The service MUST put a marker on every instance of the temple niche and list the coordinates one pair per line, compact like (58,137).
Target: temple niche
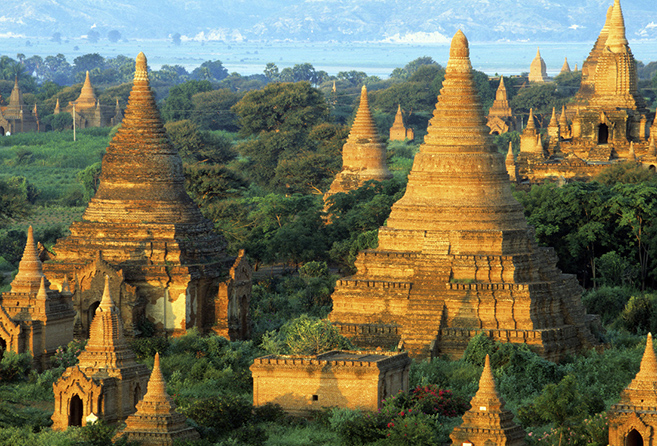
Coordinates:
(457,256)
(398,131)
(363,155)
(500,116)
(34,318)
(17,117)
(168,268)
(633,420)
(108,382)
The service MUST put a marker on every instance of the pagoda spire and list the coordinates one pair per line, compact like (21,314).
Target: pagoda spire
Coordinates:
(646,380)
(530,121)
(106,331)
(616,41)
(363,126)
(565,68)
(57,107)
(652,149)
(553,119)
(30,272)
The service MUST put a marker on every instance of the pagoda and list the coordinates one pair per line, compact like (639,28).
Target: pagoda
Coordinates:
(88,112)
(17,117)
(142,222)
(565,68)
(537,69)
(34,318)
(488,422)
(457,256)
(500,116)
(633,420)
(156,422)
(398,131)
(363,155)
(108,381)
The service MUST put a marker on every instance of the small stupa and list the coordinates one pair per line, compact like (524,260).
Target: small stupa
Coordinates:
(16,117)
(398,131)
(553,133)
(488,422)
(511,167)
(528,147)
(108,381)
(633,420)
(156,422)
(565,68)
(35,318)
(457,256)
(564,128)
(500,116)
(363,155)
(537,69)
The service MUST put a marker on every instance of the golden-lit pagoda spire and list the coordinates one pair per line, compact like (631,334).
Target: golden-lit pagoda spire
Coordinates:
(363,126)
(565,68)
(647,376)
(487,395)
(652,149)
(530,121)
(30,272)
(553,119)
(106,331)
(616,40)
(57,108)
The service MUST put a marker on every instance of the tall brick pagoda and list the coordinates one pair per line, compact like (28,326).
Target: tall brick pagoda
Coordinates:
(34,318)
(108,381)
(633,420)
(488,422)
(363,155)
(156,422)
(144,225)
(457,256)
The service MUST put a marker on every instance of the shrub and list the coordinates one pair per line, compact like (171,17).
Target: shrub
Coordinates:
(306,336)
(219,414)
(14,366)
(65,357)
(606,301)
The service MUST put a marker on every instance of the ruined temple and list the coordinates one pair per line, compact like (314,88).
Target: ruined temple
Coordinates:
(34,318)
(107,381)
(457,256)
(17,117)
(398,131)
(156,422)
(488,422)
(633,420)
(500,116)
(363,155)
(537,69)
(168,269)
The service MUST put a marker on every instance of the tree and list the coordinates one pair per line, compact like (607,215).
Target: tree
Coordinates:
(211,71)
(310,336)
(271,72)
(212,109)
(114,36)
(88,62)
(178,105)
(175,38)
(196,146)
(93,36)
(14,202)
(89,178)
(56,37)
(562,404)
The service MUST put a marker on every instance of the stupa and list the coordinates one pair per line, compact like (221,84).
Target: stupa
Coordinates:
(33,317)
(108,381)
(457,256)
(633,420)
(142,222)
(16,117)
(565,68)
(553,134)
(156,422)
(488,422)
(500,116)
(537,69)
(88,112)
(398,131)
(363,155)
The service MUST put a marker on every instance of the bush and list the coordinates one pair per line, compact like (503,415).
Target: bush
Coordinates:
(67,356)
(220,414)
(638,316)
(607,302)
(306,336)
(14,366)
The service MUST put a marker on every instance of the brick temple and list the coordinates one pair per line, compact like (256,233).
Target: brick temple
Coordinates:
(457,256)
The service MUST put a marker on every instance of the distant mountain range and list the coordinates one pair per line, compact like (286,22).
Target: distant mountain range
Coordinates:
(421,21)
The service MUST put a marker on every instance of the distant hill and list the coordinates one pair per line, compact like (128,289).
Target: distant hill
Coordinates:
(327,20)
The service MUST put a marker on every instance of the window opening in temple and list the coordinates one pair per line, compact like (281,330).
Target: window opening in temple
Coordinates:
(3,347)
(651,168)
(137,394)
(634,438)
(315,397)
(603,134)
(75,411)
(91,312)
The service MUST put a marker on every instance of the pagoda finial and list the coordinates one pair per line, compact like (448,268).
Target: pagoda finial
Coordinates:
(106,301)
(487,396)
(87,80)
(530,120)
(141,68)
(30,272)
(648,369)
(509,153)
(616,40)
(156,385)
(553,119)
(363,126)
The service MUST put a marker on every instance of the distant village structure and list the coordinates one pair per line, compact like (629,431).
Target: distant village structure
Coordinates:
(165,264)
(17,117)
(363,155)
(457,256)
(34,318)
(355,380)
(608,120)
(398,131)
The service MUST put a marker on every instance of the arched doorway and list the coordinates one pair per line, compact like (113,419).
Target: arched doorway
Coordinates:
(603,134)
(634,438)
(651,169)
(75,411)
(2,131)
(137,394)
(90,314)
(3,347)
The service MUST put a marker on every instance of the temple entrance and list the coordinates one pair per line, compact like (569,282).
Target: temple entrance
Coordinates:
(634,438)
(603,134)
(75,411)
(3,347)
(2,131)
(651,169)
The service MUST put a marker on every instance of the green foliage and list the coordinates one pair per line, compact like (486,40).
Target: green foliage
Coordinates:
(14,366)
(178,105)
(607,302)
(305,336)
(212,109)
(89,178)
(638,316)
(68,356)
(196,146)
(13,202)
